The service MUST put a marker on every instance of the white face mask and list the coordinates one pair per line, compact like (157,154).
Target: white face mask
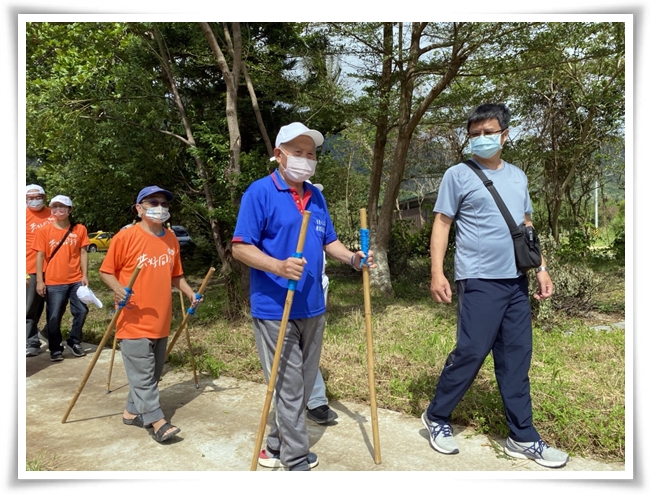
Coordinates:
(158,214)
(299,169)
(35,204)
(60,213)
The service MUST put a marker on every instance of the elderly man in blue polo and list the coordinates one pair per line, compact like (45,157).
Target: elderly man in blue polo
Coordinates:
(265,238)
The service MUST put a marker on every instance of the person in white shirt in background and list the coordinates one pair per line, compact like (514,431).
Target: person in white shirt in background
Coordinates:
(318,409)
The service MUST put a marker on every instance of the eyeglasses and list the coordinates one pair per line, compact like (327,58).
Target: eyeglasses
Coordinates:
(489,133)
(155,203)
(59,208)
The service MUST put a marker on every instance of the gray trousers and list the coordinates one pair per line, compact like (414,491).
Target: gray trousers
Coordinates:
(295,380)
(143,362)
(35,305)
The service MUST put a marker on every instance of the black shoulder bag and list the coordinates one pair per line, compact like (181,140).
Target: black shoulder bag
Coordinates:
(61,242)
(528,251)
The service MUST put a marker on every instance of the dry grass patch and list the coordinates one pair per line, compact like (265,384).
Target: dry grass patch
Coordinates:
(577,374)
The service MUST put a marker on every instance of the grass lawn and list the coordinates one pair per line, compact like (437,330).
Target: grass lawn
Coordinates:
(577,374)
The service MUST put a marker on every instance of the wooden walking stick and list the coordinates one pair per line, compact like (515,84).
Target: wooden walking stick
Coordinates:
(291,288)
(110,367)
(108,332)
(189,312)
(365,244)
(189,344)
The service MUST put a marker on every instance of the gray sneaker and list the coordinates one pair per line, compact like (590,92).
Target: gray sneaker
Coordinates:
(440,435)
(33,351)
(539,451)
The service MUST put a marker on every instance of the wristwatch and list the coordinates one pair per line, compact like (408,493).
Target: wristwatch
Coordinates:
(542,268)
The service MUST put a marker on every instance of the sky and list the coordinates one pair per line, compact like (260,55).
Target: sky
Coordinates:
(12,134)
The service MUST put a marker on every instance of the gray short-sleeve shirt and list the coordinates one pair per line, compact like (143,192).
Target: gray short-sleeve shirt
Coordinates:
(484,246)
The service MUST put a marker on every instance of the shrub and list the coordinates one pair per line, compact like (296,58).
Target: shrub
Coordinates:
(618,226)
(400,246)
(575,286)
(577,244)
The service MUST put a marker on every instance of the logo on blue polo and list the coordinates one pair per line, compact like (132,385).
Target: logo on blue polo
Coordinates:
(320,225)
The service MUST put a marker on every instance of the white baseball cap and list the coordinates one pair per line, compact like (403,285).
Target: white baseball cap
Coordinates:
(65,200)
(318,186)
(34,188)
(295,129)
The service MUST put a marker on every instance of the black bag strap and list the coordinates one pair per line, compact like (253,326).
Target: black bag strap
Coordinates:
(512,226)
(61,242)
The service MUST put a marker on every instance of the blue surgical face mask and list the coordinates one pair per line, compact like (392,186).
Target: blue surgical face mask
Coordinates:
(485,146)
(35,204)
(158,214)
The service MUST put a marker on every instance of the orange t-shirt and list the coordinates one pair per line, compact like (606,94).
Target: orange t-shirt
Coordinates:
(148,313)
(65,267)
(35,221)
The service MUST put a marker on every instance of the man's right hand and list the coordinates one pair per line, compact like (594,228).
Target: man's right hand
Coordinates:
(292,268)
(440,289)
(40,288)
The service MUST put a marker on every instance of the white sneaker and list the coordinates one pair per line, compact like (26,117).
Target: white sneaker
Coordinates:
(539,451)
(440,436)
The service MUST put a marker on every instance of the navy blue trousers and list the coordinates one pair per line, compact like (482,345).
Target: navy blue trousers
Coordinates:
(493,315)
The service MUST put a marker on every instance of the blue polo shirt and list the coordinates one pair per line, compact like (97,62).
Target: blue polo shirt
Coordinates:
(269,218)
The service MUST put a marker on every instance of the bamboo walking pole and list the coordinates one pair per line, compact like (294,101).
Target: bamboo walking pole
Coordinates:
(189,344)
(108,332)
(370,355)
(110,367)
(278,346)
(189,313)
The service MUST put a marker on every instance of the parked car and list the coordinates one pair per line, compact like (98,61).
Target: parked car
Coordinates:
(99,241)
(184,239)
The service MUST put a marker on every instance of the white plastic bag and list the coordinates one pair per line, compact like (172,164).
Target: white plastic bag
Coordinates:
(86,295)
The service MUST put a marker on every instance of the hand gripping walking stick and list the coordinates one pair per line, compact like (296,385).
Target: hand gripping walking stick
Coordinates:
(365,245)
(190,312)
(291,288)
(108,332)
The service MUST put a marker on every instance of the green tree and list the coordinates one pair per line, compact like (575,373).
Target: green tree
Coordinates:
(570,95)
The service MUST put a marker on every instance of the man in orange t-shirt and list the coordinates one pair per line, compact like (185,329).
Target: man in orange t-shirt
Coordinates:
(37,217)
(144,323)
(67,270)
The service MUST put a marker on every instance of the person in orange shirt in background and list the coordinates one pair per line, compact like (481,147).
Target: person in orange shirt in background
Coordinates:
(143,326)
(62,251)
(38,215)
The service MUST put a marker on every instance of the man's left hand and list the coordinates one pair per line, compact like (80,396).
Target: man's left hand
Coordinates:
(545,285)
(196,300)
(370,260)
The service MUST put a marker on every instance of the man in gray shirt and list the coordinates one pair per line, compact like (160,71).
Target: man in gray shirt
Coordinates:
(493,305)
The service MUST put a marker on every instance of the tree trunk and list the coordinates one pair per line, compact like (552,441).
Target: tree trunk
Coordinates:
(381,131)
(235,273)
(407,122)
(235,299)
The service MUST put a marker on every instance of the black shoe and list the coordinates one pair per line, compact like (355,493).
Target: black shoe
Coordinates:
(322,415)
(76,350)
(56,356)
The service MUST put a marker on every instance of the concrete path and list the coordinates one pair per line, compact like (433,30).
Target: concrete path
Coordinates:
(219,422)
